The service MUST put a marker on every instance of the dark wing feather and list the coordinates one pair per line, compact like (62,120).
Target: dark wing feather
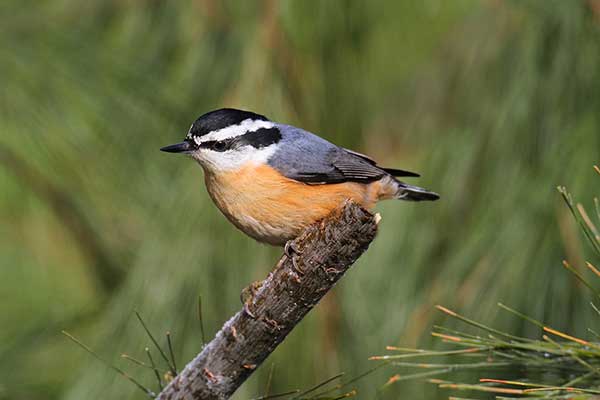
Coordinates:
(357,169)
(391,171)
(361,155)
(342,166)
(400,172)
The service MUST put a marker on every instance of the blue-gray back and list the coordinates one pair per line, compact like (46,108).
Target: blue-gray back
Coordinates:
(309,158)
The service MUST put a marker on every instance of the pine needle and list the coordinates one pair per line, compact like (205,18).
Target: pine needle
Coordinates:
(595,308)
(593,332)
(147,391)
(160,350)
(474,323)
(351,381)
(580,277)
(588,221)
(135,361)
(429,353)
(521,315)
(481,388)
(269,380)
(274,396)
(575,357)
(418,375)
(592,268)
(203,337)
(171,353)
(156,373)
(351,393)
(593,239)
(318,386)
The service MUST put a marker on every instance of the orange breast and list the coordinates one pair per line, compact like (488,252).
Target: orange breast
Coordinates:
(274,209)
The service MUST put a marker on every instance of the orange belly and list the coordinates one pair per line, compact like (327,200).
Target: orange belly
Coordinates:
(274,209)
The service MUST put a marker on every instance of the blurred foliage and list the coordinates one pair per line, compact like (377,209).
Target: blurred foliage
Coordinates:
(494,102)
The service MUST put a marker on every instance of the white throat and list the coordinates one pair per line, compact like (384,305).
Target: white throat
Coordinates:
(232,160)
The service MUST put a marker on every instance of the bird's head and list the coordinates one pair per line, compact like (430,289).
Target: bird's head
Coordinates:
(226,139)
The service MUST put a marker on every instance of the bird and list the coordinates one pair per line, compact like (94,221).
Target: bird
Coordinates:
(272,180)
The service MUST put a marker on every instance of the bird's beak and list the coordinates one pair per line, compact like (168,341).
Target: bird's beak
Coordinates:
(182,147)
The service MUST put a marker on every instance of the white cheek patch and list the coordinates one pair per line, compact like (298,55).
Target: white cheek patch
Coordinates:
(247,125)
(234,159)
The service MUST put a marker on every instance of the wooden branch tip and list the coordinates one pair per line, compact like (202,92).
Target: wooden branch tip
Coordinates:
(310,267)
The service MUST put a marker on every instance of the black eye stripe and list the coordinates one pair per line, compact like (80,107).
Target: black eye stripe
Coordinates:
(262,137)
(218,145)
(258,139)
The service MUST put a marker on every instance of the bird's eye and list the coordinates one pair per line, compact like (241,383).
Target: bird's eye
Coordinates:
(220,146)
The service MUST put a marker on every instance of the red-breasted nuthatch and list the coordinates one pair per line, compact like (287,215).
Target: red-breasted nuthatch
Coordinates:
(273,180)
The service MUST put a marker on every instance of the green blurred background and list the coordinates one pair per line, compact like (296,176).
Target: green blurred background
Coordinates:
(494,102)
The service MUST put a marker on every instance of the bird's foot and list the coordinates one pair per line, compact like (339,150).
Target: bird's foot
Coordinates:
(248,312)
(292,251)
(290,248)
(247,297)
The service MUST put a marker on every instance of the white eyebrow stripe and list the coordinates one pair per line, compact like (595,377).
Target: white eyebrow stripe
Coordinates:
(247,125)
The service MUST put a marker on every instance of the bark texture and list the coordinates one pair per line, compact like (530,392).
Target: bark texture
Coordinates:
(325,252)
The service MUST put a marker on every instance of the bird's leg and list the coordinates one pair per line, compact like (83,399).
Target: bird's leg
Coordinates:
(247,296)
(291,251)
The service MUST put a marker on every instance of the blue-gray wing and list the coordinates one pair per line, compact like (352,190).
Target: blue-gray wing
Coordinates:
(305,157)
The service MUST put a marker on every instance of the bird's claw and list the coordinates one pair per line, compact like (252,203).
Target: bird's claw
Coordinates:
(291,251)
(290,248)
(248,312)
(247,297)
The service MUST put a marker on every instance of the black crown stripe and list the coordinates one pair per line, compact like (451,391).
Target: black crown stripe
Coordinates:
(222,118)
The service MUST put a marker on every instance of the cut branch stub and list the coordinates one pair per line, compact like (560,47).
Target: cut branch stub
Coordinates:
(323,253)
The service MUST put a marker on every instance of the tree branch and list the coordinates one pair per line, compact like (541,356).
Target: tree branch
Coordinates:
(325,252)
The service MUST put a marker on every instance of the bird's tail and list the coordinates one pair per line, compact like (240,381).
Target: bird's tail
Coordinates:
(414,193)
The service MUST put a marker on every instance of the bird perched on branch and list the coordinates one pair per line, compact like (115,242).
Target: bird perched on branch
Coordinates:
(273,180)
